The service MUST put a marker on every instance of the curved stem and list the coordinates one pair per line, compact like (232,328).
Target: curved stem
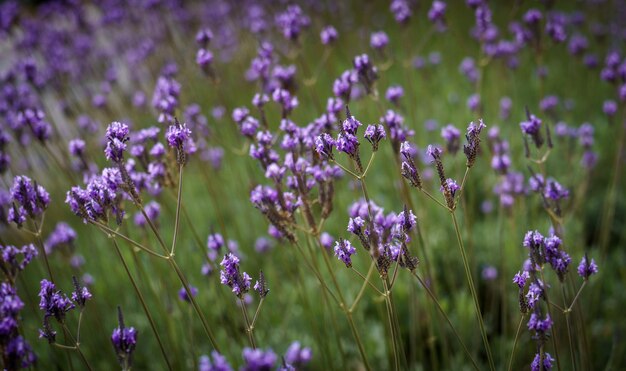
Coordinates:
(178,203)
(519,329)
(362,290)
(470,281)
(143,304)
(248,326)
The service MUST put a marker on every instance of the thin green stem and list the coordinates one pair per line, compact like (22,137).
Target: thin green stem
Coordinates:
(256,314)
(248,326)
(77,348)
(445,316)
(42,248)
(553,337)
(470,281)
(519,330)
(369,163)
(113,233)
(392,328)
(359,343)
(366,281)
(143,304)
(362,290)
(434,199)
(355,175)
(569,330)
(569,309)
(178,203)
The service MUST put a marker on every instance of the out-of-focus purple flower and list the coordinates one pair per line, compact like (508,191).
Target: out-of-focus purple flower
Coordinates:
(182,293)
(328,35)
(204,37)
(298,356)
(379,40)
(62,234)
(437,12)
(326,240)
(344,251)
(549,103)
(489,273)
(292,21)
(532,16)
(394,93)
(473,102)
(204,58)
(10,263)
(76,147)
(401,11)
(609,108)
(505,107)
(219,363)
(452,137)
(152,209)
(258,359)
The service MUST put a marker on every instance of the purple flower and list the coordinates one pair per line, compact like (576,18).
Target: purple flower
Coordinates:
(258,359)
(219,363)
(124,341)
(521,278)
(609,107)
(204,58)
(324,144)
(326,240)
(374,134)
(451,135)
(328,35)
(81,294)
(182,293)
(535,323)
(437,11)
(401,10)
(344,251)
(505,107)
(379,40)
(532,16)
(28,198)
(394,93)
(231,277)
(19,354)
(587,268)
(547,362)
(355,225)
(489,273)
(117,136)
(152,209)
(298,356)
(204,36)
(347,143)
(76,147)
(292,21)
(452,185)
(53,302)
(260,286)
(62,234)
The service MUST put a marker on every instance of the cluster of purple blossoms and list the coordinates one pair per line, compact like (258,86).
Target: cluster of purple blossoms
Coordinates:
(384,236)
(366,71)
(587,268)
(165,98)
(29,200)
(585,137)
(216,362)
(532,128)
(179,137)
(117,136)
(408,167)
(15,351)
(124,340)
(99,198)
(53,302)
(437,13)
(472,147)
(62,235)
(469,70)
(232,277)
(292,21)
(401,11)
(398,131)
(549,250)
(15,259)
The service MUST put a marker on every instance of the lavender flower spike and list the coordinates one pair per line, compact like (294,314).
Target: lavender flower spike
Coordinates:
(124,340)
(344,251)
(587,268)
